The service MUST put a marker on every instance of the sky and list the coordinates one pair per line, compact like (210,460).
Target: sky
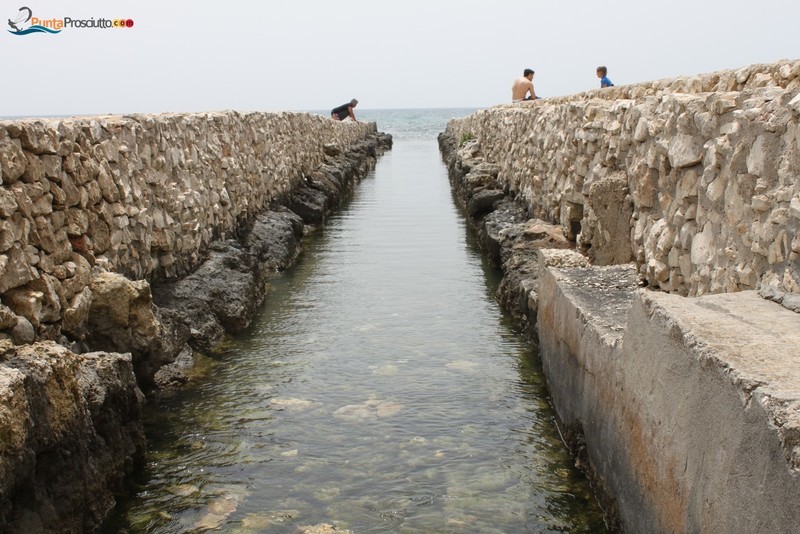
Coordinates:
(198,55)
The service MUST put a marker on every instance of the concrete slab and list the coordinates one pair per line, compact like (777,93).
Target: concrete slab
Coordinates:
(757,339)
(690,408)
(713,411)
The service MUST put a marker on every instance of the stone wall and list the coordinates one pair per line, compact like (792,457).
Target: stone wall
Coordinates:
(684,411)
(697,180)
(91,212)
(141,195)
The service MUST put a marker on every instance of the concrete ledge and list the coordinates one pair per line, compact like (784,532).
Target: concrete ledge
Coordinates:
(714,404)
(689,407)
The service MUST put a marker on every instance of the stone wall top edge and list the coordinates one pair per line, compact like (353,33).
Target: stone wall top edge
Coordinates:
(665,87)
(170,116)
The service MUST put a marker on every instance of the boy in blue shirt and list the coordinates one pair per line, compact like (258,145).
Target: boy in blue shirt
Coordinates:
(602,73)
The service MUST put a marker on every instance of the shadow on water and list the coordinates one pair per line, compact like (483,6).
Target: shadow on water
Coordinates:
(533,385)
(381,389)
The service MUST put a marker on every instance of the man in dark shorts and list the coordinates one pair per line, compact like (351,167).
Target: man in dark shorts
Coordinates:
(344,111)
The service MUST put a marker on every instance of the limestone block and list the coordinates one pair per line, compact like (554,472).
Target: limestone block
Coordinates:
(702,247)
(34,171)
(8,232)
(23,200)
(52,166)
(794,104)
(8,319)
(21,226)
(17,270)
(685,150)
(25,302)
(665,241)
(794,207)
(723,103)
(12,160)
(43,236)
(37,136)
(52,297)
(121,303)
(77,222)
(59,198)
(78,272)
(610,206)
(756,159)
(43,205)
(107,187)
(706,123)
(77,313)
(762,79)
(747,277)
(8,202)
(761,203)
(644,186)
(99,232)
(778,249)
(687,185)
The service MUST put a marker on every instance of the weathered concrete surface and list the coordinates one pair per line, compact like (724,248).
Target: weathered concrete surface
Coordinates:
(689,408)
(70,431)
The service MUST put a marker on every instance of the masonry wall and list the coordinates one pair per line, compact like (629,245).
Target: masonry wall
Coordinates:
(696,179)
(142,195)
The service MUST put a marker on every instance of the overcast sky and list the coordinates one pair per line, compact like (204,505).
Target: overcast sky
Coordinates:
(198,55)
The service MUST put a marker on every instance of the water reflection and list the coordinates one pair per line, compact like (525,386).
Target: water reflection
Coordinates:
(380,390)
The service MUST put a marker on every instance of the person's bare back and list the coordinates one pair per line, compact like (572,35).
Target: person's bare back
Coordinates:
(522,86)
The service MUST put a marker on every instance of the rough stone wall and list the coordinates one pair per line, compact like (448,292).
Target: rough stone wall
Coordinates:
(697,179)
(784,74)
(141,195)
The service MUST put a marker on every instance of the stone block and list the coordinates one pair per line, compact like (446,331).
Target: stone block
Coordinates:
(8,202)
(15,269)
(12,160)
(685,151)
(702,245)
(8,319)
(25,302)
(76,314)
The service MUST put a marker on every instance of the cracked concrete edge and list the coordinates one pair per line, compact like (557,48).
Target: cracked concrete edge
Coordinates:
(683,435)
(752,343)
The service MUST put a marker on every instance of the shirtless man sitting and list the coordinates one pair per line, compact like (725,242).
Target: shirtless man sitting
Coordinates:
(522,86)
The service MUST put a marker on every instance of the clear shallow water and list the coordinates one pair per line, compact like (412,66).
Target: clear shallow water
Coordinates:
(381,389)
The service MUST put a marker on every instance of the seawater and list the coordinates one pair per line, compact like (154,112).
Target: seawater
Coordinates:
(381,388)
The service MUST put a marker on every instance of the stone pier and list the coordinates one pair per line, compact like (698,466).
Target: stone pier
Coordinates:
(128,243)
(650,241)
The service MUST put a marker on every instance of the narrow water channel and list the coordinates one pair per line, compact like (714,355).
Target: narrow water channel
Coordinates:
(381,389)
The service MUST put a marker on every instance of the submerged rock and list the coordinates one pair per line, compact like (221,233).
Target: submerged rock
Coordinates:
(322,528)
(370,410)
